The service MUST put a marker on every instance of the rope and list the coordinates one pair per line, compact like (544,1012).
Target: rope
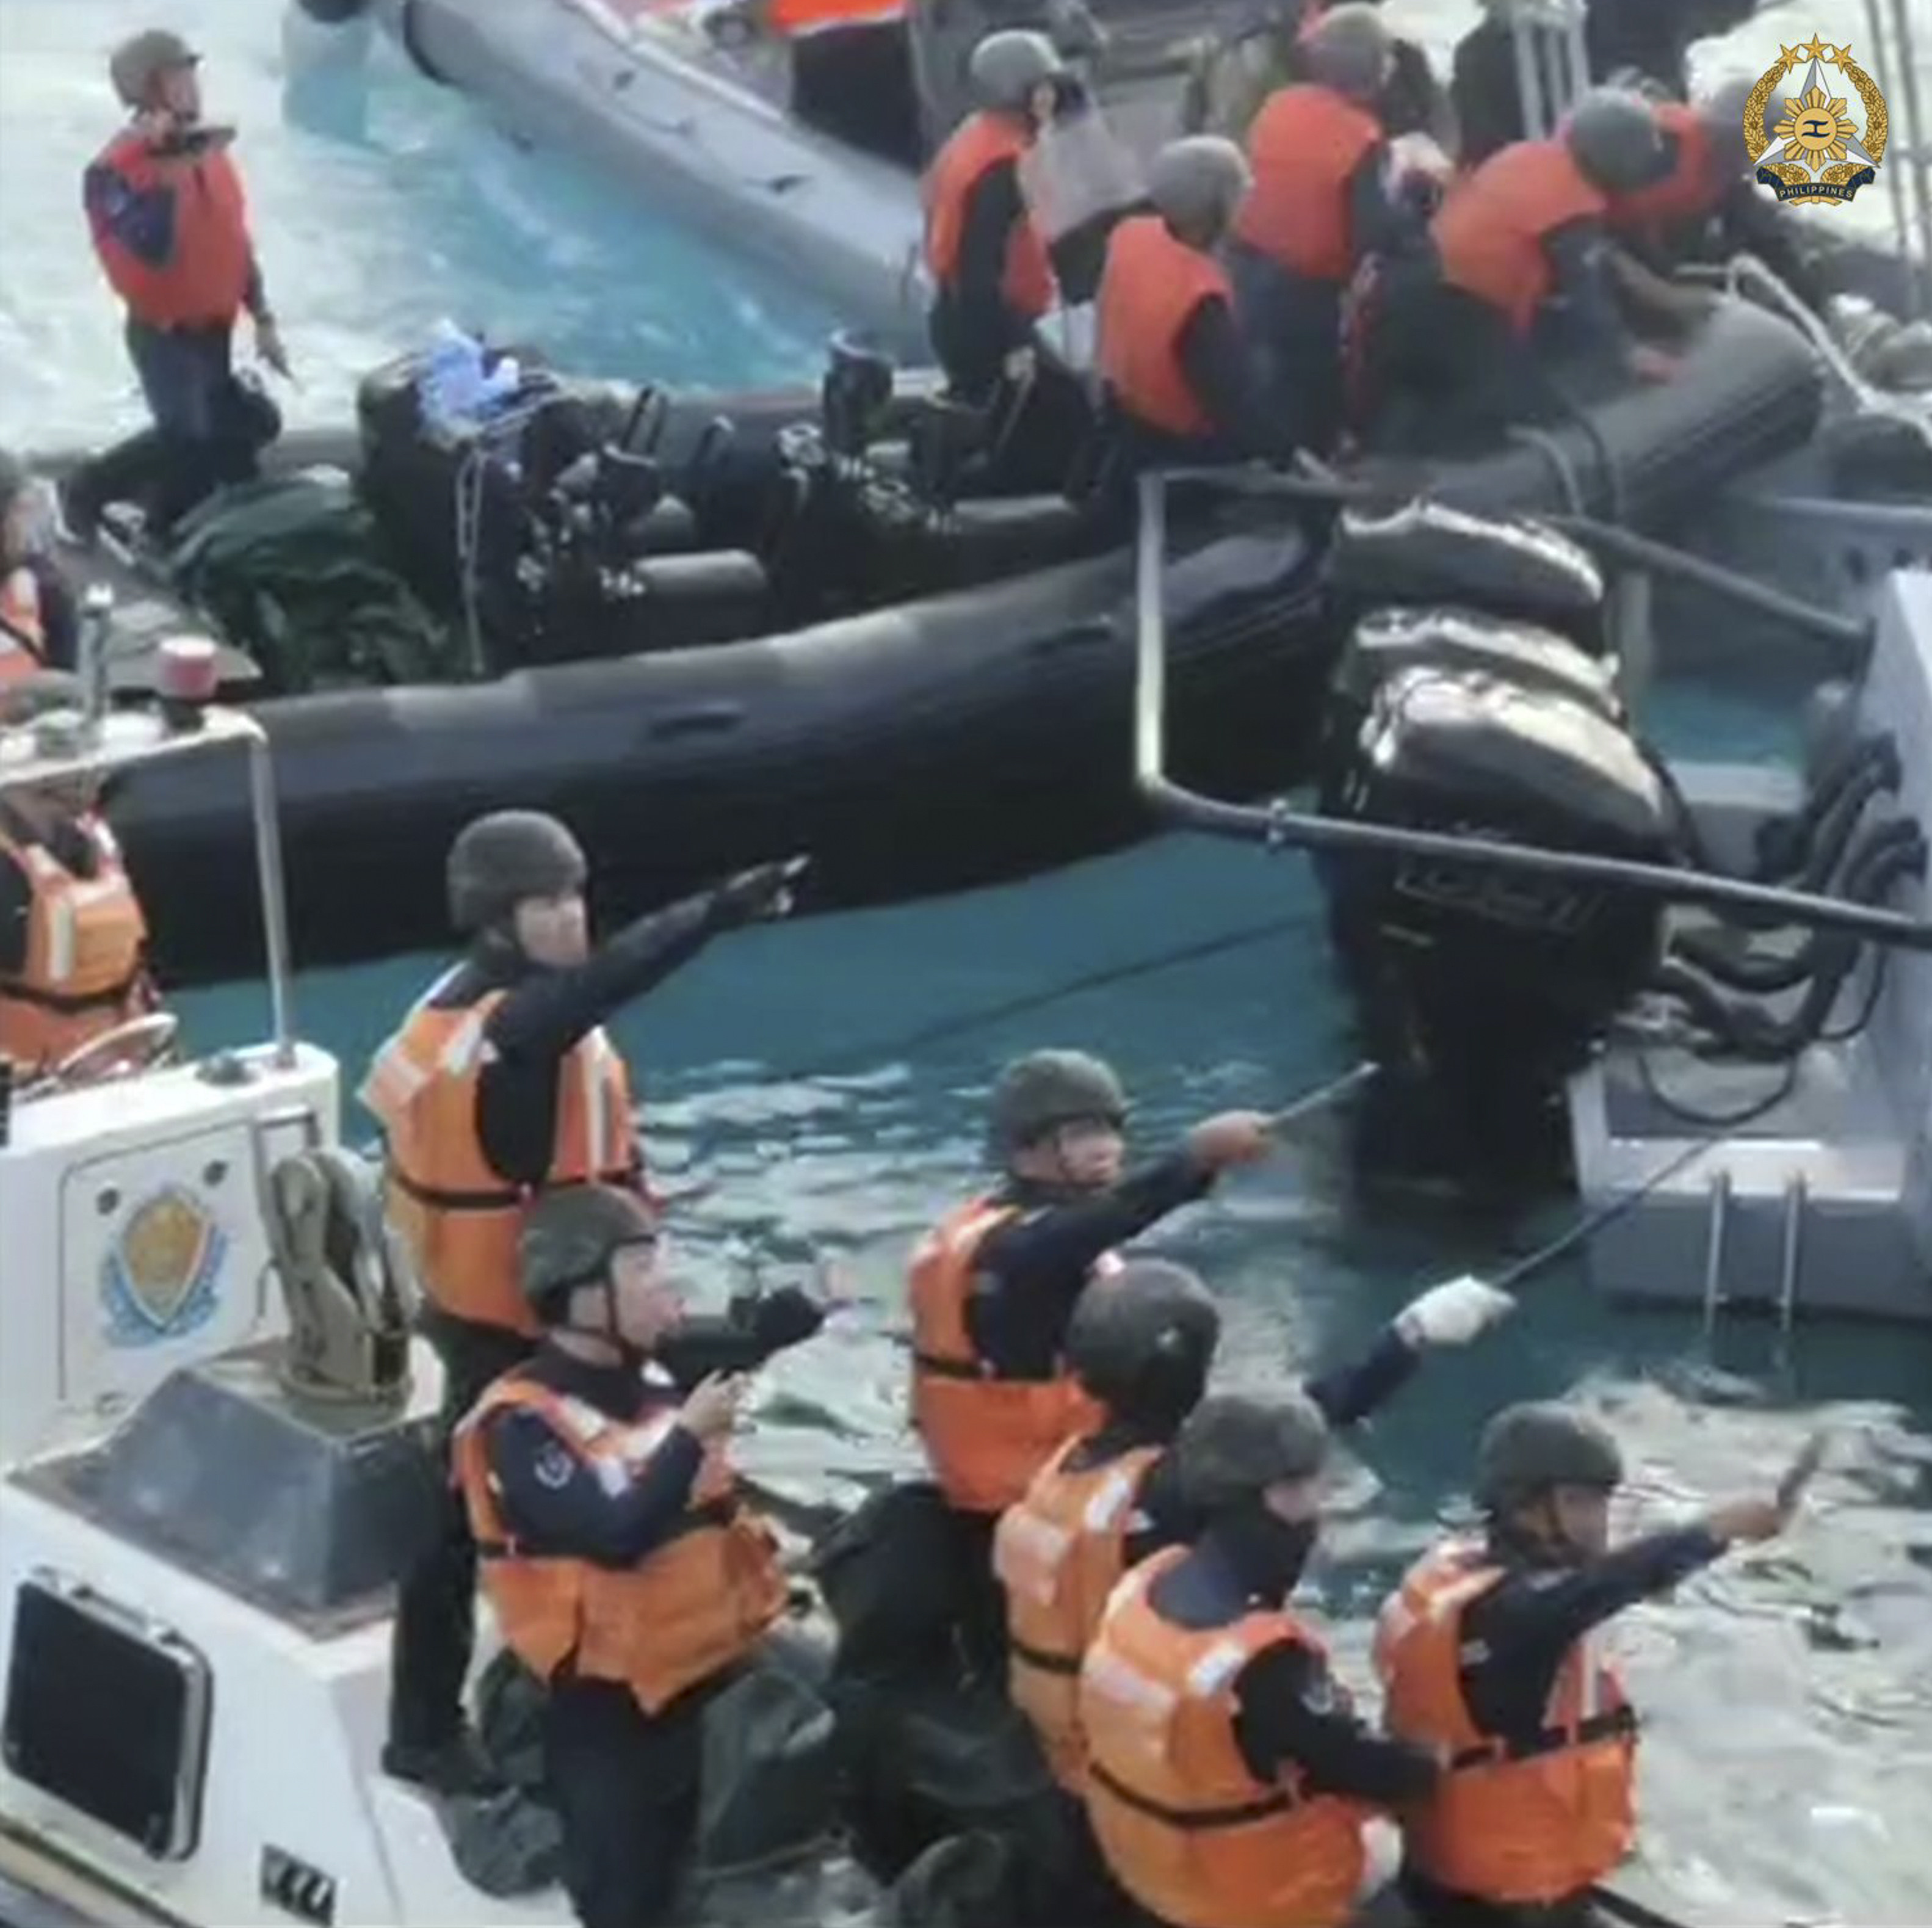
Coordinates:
(1118,973)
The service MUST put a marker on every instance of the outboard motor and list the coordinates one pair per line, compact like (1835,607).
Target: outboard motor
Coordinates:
(1521,570)
(1486,987)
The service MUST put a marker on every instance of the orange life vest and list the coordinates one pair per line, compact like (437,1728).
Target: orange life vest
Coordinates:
(1526,1824)
(1059,1552)
(693,1606)
(86,938)
(23,634)
(205,276)
(1689,193)
(1491,231)
(1187,1830)
(979,143)
(985,1436)
(1306,145)
(794,19)
(458,1215)
(1149,290)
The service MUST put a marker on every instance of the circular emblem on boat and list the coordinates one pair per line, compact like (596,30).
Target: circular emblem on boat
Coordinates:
(159,1281)
(1816,151)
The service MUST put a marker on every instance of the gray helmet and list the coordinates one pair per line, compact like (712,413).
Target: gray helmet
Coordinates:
(501,859)
(1527,1449)
(1723,110)
(568,1237)
(1006,67)
(136,64)
(1148,1316)
(1036,1094)
(1233,1448)
(1615,139)
(1198,183)
(1348,49)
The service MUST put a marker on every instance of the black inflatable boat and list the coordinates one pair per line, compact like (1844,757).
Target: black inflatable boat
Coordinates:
(705,645)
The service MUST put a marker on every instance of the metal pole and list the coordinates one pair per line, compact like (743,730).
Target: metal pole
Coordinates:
(1149,628)
(1528,76)
(97,613)
(1917,156)
(274,908)
(1895,177)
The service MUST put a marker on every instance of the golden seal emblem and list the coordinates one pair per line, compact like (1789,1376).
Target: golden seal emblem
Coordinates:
(159,1281)
(1815,151)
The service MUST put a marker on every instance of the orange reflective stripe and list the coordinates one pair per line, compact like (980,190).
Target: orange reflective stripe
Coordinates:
(1186,1827)
(1306,145)
(1059,1554)
(1149,290)
(1521,1819)
(83,973)
(695,1604)
(985,1437)
(1490,233)
(451,1207)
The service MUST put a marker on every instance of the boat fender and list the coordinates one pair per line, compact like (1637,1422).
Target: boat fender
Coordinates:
(1428,552)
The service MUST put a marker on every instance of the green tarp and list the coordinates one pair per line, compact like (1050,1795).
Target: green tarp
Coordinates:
(291,569)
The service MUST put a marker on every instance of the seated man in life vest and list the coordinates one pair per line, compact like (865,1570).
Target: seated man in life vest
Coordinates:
(621,1565)
(73,937)
(1322,200)
(1177,368)
(1140,1345)
(500,1080)
(39,625)
(1519,278)
(1484,1653)
(1705,209)
(993,1286)
(1228,1779)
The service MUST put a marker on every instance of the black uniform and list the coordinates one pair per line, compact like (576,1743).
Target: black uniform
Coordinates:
(543,1016)
(626,1784)
(1519,1632)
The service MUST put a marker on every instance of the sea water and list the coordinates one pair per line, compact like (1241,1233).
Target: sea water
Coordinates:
(813,1091)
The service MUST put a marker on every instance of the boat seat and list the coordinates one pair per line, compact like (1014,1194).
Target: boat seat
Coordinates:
(714,596)
(998,534)
(343,1278)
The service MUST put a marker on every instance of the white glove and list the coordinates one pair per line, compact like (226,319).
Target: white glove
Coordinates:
(1453,1313)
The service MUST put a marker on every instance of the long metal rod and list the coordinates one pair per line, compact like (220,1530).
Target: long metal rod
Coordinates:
(1150,629)
(1895,176)
(274,905)
(1917,149)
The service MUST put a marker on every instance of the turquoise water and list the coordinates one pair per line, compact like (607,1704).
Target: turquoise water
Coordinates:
(1791,1739)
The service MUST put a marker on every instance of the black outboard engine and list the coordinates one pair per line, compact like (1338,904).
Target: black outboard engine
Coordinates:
(1485,987)
(1520,570)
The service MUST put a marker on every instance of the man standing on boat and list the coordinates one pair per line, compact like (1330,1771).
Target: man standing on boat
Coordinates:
(623,1569)
(502,1081)
(994,1286)
(169,222)
(1485,1654)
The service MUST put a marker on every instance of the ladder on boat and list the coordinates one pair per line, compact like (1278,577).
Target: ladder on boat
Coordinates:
(1796,1203)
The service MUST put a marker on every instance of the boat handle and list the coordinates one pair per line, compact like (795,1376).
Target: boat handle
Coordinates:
(701,719)
(1097,629)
